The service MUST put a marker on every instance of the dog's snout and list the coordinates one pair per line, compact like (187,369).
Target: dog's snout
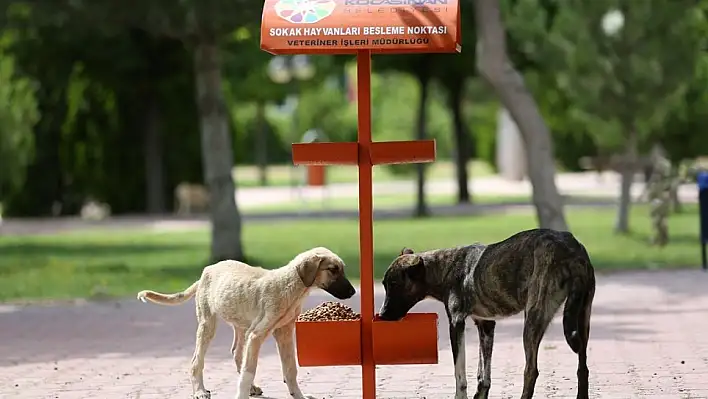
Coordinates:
(341,288)
(348,292)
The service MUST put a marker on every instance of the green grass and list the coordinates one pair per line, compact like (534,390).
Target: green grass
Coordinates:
(122,263)
(280,175)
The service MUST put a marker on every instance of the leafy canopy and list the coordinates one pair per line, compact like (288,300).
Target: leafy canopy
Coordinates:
(18,115)
(631,78)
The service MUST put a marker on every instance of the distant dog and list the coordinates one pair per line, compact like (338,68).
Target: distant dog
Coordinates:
(95,210)
(191,197)
(533,271)
(257,302)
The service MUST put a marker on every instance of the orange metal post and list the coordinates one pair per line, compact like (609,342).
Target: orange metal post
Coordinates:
(325,153)
(393,152)
(366,224)
(370,334)
(365,154)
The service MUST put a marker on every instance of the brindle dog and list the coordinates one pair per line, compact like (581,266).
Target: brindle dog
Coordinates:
(533,271)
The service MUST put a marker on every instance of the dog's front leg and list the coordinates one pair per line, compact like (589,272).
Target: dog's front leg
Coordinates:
(248,370)
(485,330)
(457,342)
(284,340)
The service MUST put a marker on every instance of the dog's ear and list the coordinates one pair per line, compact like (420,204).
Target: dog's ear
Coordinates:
(416,269)
(407,251)
(308,269)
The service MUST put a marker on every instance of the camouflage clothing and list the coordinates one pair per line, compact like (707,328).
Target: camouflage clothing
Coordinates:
(659,190)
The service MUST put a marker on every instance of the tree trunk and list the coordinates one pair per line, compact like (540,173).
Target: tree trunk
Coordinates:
(217,153)
(462,152)
(628,171)
(154,172)
(261,141)
(495,67)
(421,208)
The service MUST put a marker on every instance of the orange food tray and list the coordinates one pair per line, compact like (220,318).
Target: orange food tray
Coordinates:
(328,343)
(411,340)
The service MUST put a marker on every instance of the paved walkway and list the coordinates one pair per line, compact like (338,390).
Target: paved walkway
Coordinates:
(580,183)
(648,340)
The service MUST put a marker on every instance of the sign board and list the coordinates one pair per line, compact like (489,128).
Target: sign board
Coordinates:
(346,26)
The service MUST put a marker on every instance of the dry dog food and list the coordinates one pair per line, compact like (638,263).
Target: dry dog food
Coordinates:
(329,311)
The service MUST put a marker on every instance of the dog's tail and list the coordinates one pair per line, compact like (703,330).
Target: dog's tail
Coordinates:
(169,299)
(576,314)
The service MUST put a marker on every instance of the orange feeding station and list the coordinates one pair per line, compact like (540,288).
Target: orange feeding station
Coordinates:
(363,27)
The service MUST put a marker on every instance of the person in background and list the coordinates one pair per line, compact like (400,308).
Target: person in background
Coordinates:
(659,189)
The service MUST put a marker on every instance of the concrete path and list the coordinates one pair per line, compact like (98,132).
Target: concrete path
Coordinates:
(582,183)
(648,340)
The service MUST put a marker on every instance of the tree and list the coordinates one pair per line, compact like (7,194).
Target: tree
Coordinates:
(423,74)
(43,183)
(454,74)
(18,115)
(688,124)
(98,136)
(495,67)
(325,108)
(423,68)
(625,79)
(201,26)
(248,65)
(464,143)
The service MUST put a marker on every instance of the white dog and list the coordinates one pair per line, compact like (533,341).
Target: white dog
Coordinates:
(256,302)
(191,197)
